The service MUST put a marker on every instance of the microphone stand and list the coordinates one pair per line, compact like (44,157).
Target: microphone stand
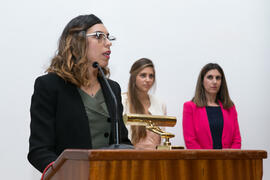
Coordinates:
(117,145)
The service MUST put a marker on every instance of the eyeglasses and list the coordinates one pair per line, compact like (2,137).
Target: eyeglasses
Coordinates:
(101,35)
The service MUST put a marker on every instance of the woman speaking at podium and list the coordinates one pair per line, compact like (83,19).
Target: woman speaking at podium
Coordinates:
(138,101)
(71,106)
(210,118)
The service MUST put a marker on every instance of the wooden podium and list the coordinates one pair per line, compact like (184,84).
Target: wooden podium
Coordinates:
(158,164)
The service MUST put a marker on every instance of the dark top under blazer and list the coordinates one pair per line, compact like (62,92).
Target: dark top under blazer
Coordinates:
(59,120)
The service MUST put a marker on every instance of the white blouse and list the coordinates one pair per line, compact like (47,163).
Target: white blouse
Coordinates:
(156,108)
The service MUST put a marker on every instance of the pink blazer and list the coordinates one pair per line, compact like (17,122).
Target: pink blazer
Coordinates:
(197,132)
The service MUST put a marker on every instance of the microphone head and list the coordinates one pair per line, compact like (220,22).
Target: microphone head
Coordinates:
(95,64)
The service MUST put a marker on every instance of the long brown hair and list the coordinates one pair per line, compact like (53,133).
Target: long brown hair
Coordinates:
(223,95)
(70,61)
(135,104)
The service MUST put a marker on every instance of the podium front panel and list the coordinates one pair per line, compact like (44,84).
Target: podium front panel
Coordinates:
(160,165)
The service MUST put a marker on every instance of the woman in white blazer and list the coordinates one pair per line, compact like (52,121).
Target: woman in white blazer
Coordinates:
(138,101)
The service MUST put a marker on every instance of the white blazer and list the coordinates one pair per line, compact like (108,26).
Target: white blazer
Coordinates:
(156,108)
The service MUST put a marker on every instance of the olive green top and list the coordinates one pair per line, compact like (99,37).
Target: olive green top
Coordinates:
(97,113)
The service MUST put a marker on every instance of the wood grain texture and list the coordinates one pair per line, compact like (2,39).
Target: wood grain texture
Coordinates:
(176,169)
(163,165)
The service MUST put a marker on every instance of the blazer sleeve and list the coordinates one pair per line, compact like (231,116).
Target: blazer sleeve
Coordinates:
(190,137)
(124,103)
(236,144)
(123,130)
(42,129)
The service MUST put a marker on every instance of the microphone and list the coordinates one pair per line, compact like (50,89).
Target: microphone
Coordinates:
(116,125)
(95,65)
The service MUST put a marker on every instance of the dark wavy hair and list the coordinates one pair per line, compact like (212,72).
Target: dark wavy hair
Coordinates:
(70,61)
(223,94)
(135,104)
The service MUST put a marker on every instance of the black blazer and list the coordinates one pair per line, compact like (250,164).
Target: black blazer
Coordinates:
(59,120)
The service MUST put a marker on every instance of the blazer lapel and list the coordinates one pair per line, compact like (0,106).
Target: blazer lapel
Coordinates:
(110,105)
(207,125)
(80,109)
(224,122)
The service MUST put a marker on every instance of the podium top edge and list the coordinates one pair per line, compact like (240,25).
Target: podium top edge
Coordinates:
(162,154)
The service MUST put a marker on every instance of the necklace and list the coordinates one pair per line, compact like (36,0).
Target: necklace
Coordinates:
(92,89)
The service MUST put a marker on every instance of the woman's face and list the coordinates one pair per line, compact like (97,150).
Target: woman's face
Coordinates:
(98,47)
(145,79)
(212,82)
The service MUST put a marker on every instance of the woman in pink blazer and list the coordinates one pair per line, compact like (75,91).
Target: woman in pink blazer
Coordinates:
(210,118)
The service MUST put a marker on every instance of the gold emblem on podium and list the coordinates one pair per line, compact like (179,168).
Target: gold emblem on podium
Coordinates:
(153,123)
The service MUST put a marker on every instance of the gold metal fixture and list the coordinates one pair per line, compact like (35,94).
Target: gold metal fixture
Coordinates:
(151,122)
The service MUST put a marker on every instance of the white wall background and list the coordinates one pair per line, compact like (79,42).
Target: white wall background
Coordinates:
(179,36)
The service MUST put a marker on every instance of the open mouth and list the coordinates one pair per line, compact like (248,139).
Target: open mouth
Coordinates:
(107,54)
